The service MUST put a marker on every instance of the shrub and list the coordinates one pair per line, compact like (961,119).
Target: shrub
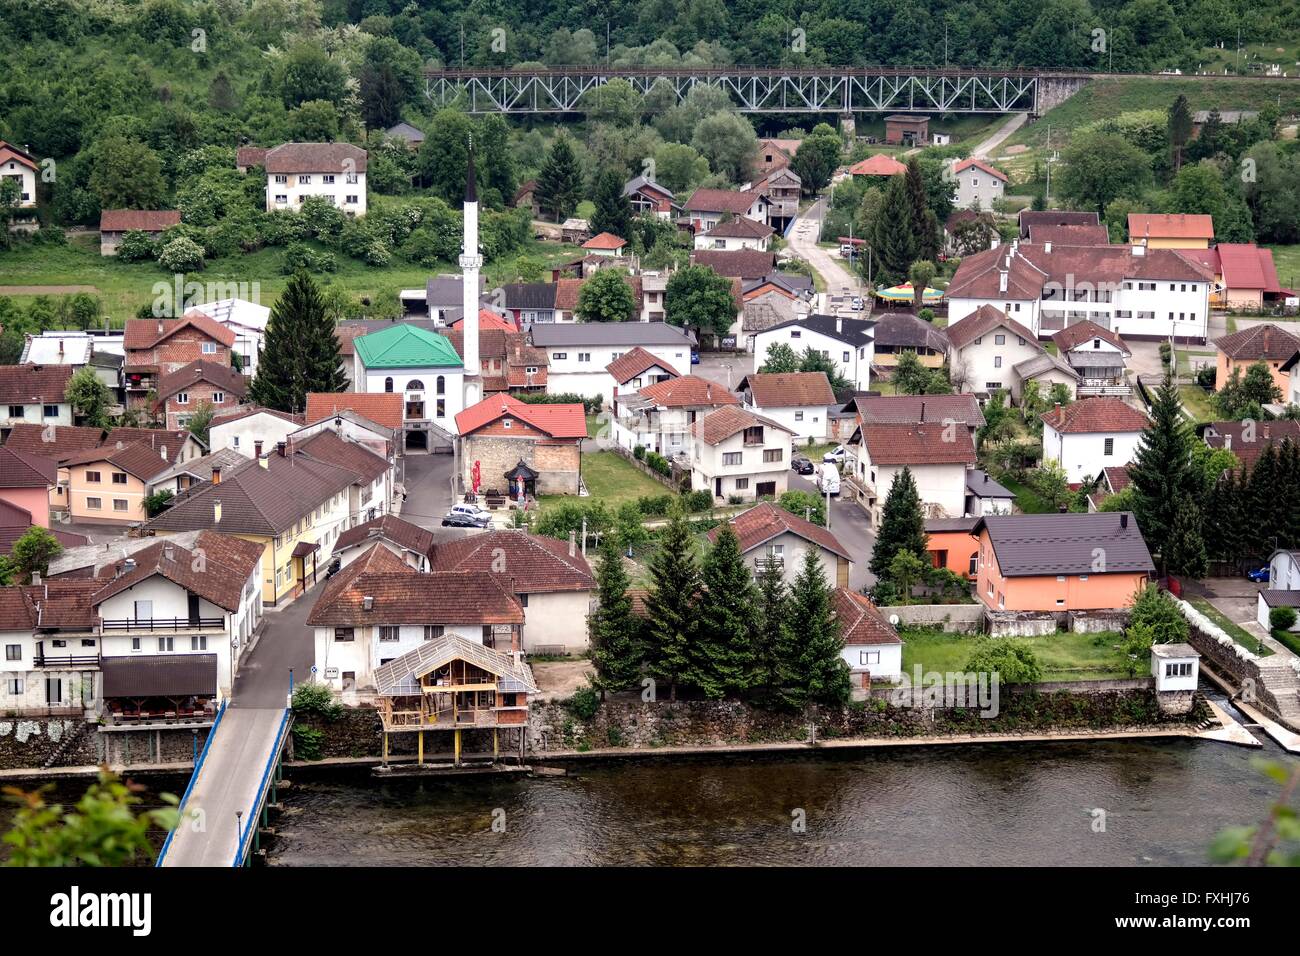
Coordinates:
(584,703)
(316,698)
(658,462)
(926,315)
(654,506)
(591,405)
(697,500)
(181,255)
(566,516)
(1205,377)
(1013,661)
(299,255)
(1155,609)
(638,452)
(734,499)
(1166,353)
(802,503)
(1281,618)
(137,246)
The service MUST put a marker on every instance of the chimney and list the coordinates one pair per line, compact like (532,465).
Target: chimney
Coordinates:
(1227,443)
(279,448)
(573,544)
(1002,278)
(160,327)
(922,411)
(1139,250)
(128,565)
(1047,246)
(36,577)
(1123,519)
(60,347)
(162,450)
(216,474)
(368,603)
(216,511)
(257,448)
(839,324)
(169,552)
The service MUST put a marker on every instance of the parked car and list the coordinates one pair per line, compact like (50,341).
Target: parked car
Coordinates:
(857,303)
(1259,575)
(695,357)
(333,569)
(836,455)
(467,516)
(802,465)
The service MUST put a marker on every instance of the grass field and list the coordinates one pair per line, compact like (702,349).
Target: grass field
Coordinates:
(1027,500)
(1287,260)
(1062,656)
(123,287)
(1235,631)
(613,480)
(1197,401)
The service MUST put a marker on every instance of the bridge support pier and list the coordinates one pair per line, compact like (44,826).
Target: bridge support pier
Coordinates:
(496,747)
(385,756)
(847,127)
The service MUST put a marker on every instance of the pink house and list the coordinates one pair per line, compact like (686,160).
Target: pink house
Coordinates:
(25,482)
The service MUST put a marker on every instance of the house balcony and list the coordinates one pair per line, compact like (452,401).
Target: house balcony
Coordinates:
(151,625)
(41,659)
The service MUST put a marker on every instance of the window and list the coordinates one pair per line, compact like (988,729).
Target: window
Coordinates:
(120,504)
(1109,447)
(344,634)
(13,652)
(182,398)
(92,476)
(16,411)
(442,408)
(415,385)
(388,384)
(584,356)
(772,454)
(556,356)
(199,643)
(523,599)
(281,198)
(119,477)
(731,458)
(135,643)
(14,685)
(1020,340)
(209,348)
(432,632)
(53,690)
(281,178)
(997,361)
(51,411)
(507,422)
(389,633)
(845,357)
(992,386)
(304,179)
(742,484)
(999,340)
(798,416)
(218,398)
(328,179)
(1180,669)
(868,657)
(94,504)
(166,644)
(351,179)
(440,386)
(795,333)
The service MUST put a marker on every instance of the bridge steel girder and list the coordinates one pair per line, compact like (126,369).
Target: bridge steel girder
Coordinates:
(753,90)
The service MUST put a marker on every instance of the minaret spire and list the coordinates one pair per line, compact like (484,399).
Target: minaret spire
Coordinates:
(470,264)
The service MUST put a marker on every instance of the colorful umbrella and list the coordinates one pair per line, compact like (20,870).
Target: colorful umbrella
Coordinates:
(905,293)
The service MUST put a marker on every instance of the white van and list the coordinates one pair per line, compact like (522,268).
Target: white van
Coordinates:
(828,481)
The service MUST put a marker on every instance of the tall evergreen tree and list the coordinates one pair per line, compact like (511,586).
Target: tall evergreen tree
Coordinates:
(902,526)
(672,604)
(812,668)
(559,182)
(613,210)
(893,240)
(300,351)
(613,629)
(1161,473)
(1180,128)
(771,631)
(722,655)
(924,224)
(1186,549)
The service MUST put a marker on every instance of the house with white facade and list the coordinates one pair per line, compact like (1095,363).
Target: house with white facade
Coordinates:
(979,185)
(1097,355)
(985,496)
(739,456)
(638,368)
(738,233)
(424,368)
(872,648)
(799,401)
(660,417)
(19,166)
(849,343)
(76,349)
(251,430)
(708,207)
(768,534)
(409,542)
(579,354)
(985,347)
(1091,434)
(1135,291)
(335,172)
(1283,587)
(247,320)
(33,394)
(938,454)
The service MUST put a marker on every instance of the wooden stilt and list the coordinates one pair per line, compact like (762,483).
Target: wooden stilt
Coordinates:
(457,745)
(496,748)
(385,761)
(420,758)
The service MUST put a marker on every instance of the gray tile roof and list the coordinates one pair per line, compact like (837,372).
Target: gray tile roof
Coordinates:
(1032,545)
(609,333)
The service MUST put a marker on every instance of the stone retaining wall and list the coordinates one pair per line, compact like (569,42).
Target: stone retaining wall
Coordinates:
(952,618)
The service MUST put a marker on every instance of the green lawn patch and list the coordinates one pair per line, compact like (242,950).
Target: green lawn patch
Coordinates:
(612,479)
(1198,401)
(1027,500)
(1289,639)
(1063,656)
(1186,358)
(1233,630)
(1287,260)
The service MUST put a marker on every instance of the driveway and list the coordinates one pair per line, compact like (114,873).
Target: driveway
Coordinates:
(803,243)
(850,525)
(725,368)
(1236,598)
(1012,124)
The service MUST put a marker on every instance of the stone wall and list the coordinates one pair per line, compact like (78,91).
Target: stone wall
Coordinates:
(557,466)
(145,746)
(953,618)
(1228,657)
(27,743)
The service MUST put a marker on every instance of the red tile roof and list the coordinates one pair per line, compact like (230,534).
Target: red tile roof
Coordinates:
(765,521)
(736,263)
(720,424)
(1259,342)
(1248,440)
(33,384)
(688,390)
(1247,266)
(167,441)
(64,441)
(392,528)
(1069,234)
(315,158)
(382,408)
(226,565)
(328,447)
(137,459)
(877,165)
(1085,331)
(720,200)
(250,155)
(1154,225)
(9,151)
(916,444)
(558,421)
(487,319)
(605,240)
(524,562)
(631,364)
(789,389)
(146,333)
(1094,416)
(1032,266)
(741,227)
(19,470)
(142,220)
(983,321)
(966,164)
(187,376)
(861,622)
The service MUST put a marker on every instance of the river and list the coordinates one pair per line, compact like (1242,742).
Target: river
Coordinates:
(1163,802)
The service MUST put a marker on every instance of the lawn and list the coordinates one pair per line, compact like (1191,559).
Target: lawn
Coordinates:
(613,479)
(1191,359)
(124,287)
(1027,500)
(1233,630)
(1197,401)
(1287,260)
(1062,656)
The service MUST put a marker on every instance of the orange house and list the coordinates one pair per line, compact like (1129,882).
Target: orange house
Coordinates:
(108,485)
(1060,562)
(1269,344)
(951,544)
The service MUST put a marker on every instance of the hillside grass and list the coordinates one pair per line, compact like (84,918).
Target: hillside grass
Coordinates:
(1063,656)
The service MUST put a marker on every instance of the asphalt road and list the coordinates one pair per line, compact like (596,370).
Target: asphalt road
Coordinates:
(803,243)
(850,525)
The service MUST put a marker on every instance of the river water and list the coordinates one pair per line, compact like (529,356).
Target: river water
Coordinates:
(1163,801)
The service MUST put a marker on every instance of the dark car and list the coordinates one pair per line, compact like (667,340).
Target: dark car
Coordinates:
(802,465)
(695,357)
(1259,575)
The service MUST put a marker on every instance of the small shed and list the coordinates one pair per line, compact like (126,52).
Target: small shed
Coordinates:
(1176,667)
(521,476)
(905,129)
(575,230)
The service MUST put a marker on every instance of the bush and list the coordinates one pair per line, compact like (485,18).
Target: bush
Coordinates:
(137,246)
(658,463)
(801,503)
(299,255)
(1166,353)
(1013,661)
(654,506)
(1205,377)
(926,315)
(181,255)
(584,703)
(639,452)
(697,500)
(1281,618)
(735,499)
(558,521)
(591,405)
(316,698)
(1155,609)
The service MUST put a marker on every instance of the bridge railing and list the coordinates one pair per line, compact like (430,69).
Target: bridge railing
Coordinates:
(263,786)
(198,765)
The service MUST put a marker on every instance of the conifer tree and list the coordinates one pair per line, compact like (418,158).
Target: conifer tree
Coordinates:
(559,182)
(771,631)
(300,352)
(613,628)
(1161,473)
(613,210)
(722,655)
(902,526)
(1186,549)
(924,224)
(812,669)
(672,604)
(892,239)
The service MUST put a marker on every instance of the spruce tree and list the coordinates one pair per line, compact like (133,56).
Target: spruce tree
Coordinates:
(1186,550)
(722,655)
(1161,473)
(613,628)
(613,210)
(559,182)
(672,604)
(924,224)
(300,351)
(1180,128)
(812,669)
(771,631)
(893,239)
(902,526)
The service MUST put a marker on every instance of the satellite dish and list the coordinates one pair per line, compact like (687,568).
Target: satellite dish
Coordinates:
(894,620)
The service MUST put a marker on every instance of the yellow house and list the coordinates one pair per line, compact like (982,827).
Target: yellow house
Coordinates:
(1170,230)
(107,485)
(291,503)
